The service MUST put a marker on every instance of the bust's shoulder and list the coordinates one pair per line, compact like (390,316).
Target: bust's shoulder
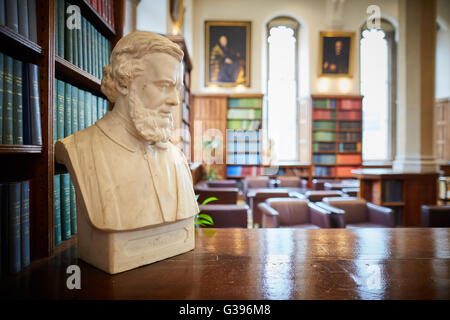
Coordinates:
(80,138)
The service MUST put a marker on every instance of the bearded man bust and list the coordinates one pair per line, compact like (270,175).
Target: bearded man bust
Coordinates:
(131,182)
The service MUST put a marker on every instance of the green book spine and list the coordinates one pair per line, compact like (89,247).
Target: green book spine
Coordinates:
(17,103)
(25,223)
(94,109)
(88,110)
(55,110)
(14,228)
(81,110)
(61,28)
(73,209)
(68,38)
(105,106)
(2,75)
(56,27)
(84,32)
(67,109)
(75,46)
(57,209)
(74,110)
(103,55)
(89,48)
(96,61)
(36,129)
(80,47)
(65,207)
(60,109)
(99,107)
(8,102)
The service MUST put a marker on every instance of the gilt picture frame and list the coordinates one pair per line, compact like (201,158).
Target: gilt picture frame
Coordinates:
(336,54)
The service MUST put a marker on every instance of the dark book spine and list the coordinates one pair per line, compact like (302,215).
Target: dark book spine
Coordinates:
(23,18)
(67,110)
(36,129)
(75,46)
(2,12)
(74,127)
(73,210)
(57,209)
(55,110)
(68,49)
(2,78)
(32,22)
(1,223)
(12,15)
(17,103)
(84,32)
(88,111)
(61,28)
(81,110)
(14,228)
(26,105)
(25,224)
(4,204)
(79,46)
(65,206)
(60,109)
(8,101)
(56,28)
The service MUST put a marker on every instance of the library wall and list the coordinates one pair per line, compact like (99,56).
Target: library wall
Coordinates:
(310,15)
(442,86)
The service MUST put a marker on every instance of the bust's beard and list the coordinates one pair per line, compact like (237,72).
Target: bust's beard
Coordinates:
(145,121)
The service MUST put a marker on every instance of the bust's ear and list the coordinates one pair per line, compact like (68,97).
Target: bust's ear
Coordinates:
(122,87)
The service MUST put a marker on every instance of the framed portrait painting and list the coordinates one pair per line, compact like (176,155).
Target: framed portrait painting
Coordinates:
(336,53)
(227,53)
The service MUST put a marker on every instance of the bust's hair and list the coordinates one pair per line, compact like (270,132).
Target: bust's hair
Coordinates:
(125,58)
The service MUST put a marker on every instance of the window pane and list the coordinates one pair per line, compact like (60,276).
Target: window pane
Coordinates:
(375,89)
(282,111)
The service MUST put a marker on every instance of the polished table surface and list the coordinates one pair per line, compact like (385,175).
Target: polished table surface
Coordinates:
(402,263)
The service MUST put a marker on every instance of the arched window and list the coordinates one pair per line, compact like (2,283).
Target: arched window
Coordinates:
(282,87)
(377,65)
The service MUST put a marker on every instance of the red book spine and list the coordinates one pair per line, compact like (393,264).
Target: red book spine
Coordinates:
(112,13)
(107,5)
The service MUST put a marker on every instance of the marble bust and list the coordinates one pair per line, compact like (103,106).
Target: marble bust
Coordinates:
(134,187)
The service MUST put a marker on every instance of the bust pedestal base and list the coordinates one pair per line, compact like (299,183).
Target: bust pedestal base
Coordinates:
(115,252)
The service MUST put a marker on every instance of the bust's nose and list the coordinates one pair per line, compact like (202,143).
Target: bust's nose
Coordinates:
(172,98)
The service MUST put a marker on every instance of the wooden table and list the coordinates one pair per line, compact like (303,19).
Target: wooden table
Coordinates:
(402,263)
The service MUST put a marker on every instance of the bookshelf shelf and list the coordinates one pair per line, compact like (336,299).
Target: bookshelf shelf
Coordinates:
(18,149)
(70,73)
(95,18)
(15,44)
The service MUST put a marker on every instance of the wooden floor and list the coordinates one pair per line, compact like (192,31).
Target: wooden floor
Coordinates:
(402,263)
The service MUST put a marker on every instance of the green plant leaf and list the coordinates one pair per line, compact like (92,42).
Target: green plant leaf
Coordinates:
(205,216)
(208,200)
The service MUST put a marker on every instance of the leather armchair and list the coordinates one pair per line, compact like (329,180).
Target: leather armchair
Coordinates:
(224,195)
(289,181)
(293,213)
(227,215)
(222,183)
(436,216)
(352,212)
(255,183)
(318,195)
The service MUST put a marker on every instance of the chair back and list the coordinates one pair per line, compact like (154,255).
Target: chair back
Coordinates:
(222,184)
(289,181)
(224,195)
(292,211)
(227,215)
(318,195)
(257,182)
(436,216)
(355,208)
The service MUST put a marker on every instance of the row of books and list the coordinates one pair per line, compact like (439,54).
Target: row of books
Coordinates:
(244,103)
(244,114)
(15,226)
(345,172)
(296,172)
(324,115)
(321,124)
(243,124)
(240,171)
(348,159)
(324,158)
(105,8)
(349,136)
(343,104)
(186,112)
(350,147)
(64,208)
(243,135)
(324,146)
(83,45)
(324,136)
(75,109)
(243,158)
(20,118)
(392,191)
(349,125)
(324,171)
(243,146)
(349,115)
(20,16)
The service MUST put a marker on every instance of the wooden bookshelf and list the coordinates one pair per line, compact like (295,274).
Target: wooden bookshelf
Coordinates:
(442,130)
(336,133)
(183,115)
(36,163)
